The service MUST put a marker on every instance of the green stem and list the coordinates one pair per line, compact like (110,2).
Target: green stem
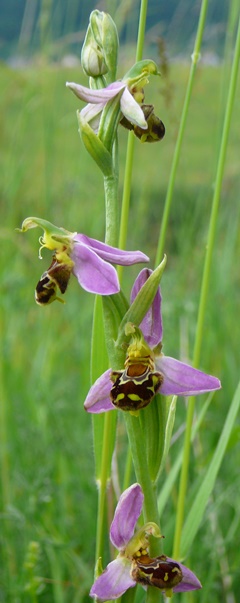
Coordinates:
(141,29)
(128,597)
(131,140)
(205,289)
(126,196)
(150,509)
(137,445)
(216,199)
(5,479)
(104,435)
(4,456)
(128,469)
(109,427)
(111,205)
(177,151)
(135,435)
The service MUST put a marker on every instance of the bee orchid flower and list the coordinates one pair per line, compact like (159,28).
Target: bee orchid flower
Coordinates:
(88,259)
(133,564)
(129,89)
(97,99)
(147,371)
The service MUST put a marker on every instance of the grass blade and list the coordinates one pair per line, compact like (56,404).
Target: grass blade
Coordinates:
(170,479)
(196,513)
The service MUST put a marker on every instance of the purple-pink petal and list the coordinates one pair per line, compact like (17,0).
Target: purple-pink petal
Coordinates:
(101,95)
(93,273)
(127,512)
(151,325)
(114,581)
(112,254)
(98,398)
(181,379)
(189,580)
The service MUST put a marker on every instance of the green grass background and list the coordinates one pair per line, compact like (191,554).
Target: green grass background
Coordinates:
(48,492)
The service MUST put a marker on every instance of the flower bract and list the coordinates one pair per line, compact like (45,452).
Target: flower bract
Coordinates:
(133,564)
(147,371)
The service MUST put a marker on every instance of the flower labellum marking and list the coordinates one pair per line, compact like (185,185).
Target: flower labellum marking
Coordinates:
(135,387)
(57,276)
(156,572)
(155,130)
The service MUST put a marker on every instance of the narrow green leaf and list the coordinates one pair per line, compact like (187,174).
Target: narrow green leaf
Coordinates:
(157,421)
(104,425)
(56,573)
(196,512)
(173,473)
(151,427)
(99,364)
(167,410)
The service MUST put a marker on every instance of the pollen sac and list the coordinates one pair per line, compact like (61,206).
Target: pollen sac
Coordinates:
(155,130)
(56,277)
(156,572)
(135,387)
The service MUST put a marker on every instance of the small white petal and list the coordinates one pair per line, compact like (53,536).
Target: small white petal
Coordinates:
(132,110)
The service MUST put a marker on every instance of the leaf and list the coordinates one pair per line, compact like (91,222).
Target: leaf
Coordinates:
(157,422)
(99,363)
(169,416)
(196,512)
(173,473)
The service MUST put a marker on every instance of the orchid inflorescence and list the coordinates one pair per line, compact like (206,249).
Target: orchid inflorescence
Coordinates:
(139,370)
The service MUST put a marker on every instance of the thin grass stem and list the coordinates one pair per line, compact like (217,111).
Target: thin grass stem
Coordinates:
(136,441)
(150,508)
(177,152)
(5,479)
(204,291)
(109,426)
(130,145)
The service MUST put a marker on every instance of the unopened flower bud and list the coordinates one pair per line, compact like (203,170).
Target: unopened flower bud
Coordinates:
(100,48)
(92,58)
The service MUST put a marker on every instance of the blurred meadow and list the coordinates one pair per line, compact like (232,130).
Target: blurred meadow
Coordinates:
(48,492)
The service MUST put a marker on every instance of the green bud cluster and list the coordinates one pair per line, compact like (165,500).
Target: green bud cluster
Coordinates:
(100,48)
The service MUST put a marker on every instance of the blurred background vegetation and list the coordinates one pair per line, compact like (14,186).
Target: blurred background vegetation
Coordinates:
(59,25)
(48,492)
